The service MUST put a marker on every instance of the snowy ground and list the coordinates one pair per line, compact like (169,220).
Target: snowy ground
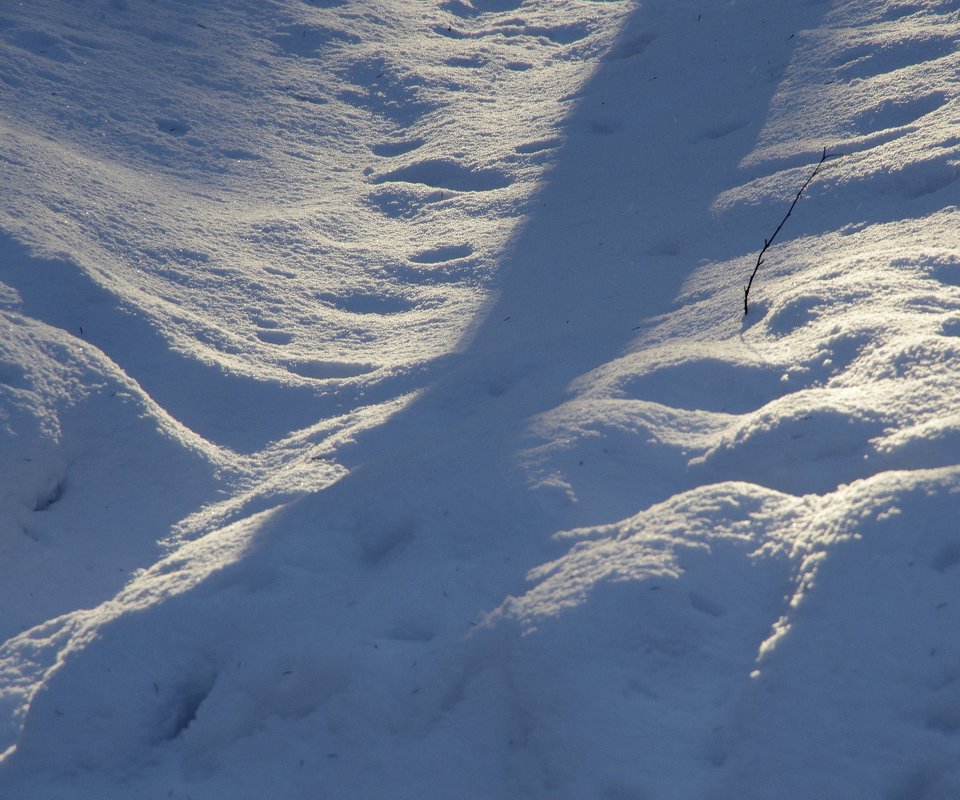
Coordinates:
(379,418)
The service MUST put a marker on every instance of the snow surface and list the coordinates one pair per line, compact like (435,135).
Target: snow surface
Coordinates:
(379,419)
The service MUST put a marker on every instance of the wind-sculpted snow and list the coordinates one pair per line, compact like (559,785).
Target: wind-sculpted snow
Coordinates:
(380,419)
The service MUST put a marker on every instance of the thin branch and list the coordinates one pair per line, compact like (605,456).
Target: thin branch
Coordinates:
(768,242)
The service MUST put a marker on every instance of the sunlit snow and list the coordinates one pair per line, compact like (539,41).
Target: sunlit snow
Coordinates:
(379,417)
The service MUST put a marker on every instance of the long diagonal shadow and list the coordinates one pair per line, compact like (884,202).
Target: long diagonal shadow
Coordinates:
(435,525)
(622,220)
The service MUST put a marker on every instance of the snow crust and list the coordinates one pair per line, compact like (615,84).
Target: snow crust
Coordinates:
(379,418)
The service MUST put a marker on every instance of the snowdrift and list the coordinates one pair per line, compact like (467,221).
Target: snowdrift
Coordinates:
(380,418)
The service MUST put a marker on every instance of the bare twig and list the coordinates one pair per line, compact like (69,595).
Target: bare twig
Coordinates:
(768,242)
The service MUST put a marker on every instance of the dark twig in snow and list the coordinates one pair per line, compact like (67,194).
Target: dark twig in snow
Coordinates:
(768,242)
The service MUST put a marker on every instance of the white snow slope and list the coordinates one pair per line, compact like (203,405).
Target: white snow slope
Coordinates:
(379,417)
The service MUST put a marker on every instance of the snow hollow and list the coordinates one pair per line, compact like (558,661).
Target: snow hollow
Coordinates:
(379,417)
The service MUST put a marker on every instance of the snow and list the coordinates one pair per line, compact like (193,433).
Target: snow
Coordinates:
(379,418)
